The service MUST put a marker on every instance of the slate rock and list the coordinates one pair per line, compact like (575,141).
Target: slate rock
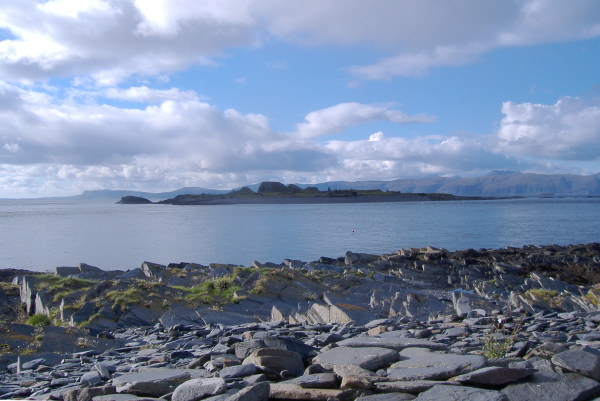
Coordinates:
(422,364)
(277,360)
(493,376)
(290,391)
(371,358)
(196,389)
(395,343)
(567,387)
(387,397)
(153,383)
(460,393)
(91,379)
(238,371)
(257,392)
(88,393)
(585,361)
(317,380)
(411,386)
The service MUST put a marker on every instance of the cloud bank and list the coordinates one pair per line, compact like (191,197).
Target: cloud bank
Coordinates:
(78,110)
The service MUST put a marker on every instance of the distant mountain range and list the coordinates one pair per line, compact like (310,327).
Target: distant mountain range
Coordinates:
(497,183)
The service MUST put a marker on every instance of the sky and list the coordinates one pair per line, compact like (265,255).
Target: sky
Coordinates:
(155,95)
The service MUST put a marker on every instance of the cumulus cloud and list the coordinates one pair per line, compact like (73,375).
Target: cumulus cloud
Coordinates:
(111,41)
(335,119)
(566,130)
(392,157)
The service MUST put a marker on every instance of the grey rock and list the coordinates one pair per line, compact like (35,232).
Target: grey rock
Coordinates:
(257,392)
(196,389)
(493,376)
(317,380)
(542,385)
(459,393)
(422,364)
(277,360)
(87,394)
(395,343)
(412,386)
(238,371)
(91,379)
(371,358)
(153,383)
(387,397)
(585,361)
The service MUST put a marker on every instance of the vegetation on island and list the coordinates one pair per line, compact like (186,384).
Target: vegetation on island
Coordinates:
(276,192)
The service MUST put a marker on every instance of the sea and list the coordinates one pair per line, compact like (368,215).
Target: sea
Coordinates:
(41,234)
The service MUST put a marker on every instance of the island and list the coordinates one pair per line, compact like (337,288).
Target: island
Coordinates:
(278,193)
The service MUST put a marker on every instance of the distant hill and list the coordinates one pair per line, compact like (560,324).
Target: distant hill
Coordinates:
(109,194)
(497,183)
(493,184)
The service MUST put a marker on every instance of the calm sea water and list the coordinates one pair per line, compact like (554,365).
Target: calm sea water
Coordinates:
(42,234)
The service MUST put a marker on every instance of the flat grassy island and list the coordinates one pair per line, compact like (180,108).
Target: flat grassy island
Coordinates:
(278,193)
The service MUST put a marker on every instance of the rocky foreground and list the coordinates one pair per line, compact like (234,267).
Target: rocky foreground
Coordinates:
(424,324)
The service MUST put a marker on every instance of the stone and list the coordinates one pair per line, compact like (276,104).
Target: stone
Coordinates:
(387,397)
(542,385)
(87,394)
(91,379)
(585,361)
(277,360)
(238,371)
(395,343)
(196,389)
(459,393)
(317,380)
(153,383)
(257,392)
(371,358)
(493,376)
(412,386)
(289,391)
(422,364)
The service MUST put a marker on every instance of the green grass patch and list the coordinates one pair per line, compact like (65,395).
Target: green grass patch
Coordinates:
(38,320)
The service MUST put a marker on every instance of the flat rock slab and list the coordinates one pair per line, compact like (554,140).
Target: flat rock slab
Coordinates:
(196,389)
(460,393)
(289,391)
(422,364)
(395,343)
(387,397)
(493,376)
(567,387)
(411,387)
(585,361)
(370,358)
(153,383)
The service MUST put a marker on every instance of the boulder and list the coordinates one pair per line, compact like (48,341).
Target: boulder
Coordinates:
(153,383)
(422,364)
(459,393)
(277,360)
(196,389)
(370,358)
(585,361)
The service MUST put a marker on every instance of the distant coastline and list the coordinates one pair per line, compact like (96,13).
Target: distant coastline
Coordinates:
(278,193)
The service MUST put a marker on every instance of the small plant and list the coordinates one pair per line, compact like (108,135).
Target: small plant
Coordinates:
(550,297)
(497,344)
(38,320)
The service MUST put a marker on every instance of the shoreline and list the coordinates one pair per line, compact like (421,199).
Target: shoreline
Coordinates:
(423,322)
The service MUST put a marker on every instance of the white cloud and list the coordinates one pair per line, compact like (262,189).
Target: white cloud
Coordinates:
(335,119)
(566,130)
(111,41)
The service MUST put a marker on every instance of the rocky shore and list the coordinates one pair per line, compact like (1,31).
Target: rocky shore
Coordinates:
(419,323)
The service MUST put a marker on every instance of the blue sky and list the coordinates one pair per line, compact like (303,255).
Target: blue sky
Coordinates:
(155,95)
